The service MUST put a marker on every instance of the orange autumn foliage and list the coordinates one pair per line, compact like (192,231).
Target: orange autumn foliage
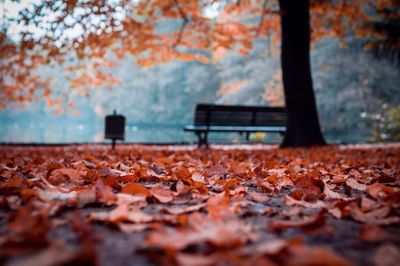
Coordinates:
(135,28)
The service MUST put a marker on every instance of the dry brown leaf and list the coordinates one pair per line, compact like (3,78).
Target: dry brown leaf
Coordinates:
(375,217)
(104,194)
(266,247)
(58,253)
(131,228)
(136,189)
(198,178)
(65,176)
(367,204)
(123,213)
(69,198)
(375,189)
(335,212)
(387,255)
(335,195)
(217,170)
(185,259)
(12,183)
(310,222)
(258,197)
(26,232)
(161,194)
(202,230)
(373,233)
(177,210)
(354,184)
(314,205)
(305,256)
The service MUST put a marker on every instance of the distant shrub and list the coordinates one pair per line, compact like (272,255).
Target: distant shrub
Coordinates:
(385,124)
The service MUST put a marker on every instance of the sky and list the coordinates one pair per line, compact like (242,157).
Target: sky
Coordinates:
(9,10)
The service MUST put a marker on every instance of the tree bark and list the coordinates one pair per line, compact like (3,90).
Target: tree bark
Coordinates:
(303,127)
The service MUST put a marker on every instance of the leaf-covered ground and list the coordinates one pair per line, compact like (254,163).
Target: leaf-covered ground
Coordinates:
(246,205)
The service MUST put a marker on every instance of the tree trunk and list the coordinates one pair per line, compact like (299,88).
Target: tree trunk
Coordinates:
(303,127)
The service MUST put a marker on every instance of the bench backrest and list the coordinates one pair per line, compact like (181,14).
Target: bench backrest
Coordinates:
(228,115)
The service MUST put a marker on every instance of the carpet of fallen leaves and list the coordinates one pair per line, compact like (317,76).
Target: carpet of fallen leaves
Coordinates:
(177,205)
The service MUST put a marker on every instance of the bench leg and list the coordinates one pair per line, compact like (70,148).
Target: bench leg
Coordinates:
(113,144)
(200,141)
(202,136)
(205,139)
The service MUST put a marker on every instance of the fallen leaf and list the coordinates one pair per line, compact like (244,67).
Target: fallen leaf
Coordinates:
(375,189)
(161,194)
(367,204)
(310,222)
(104,194)
(58,253)
(258,197)
(177,210)
(300,255)
(354,184)
(314,205)
(26,232)
(266,247)
(202,230)
(387,255)
(12,183)
(373,233)
(131,228)
(198,178)
(122,213)
(375,217)
(66,176)
(136,189)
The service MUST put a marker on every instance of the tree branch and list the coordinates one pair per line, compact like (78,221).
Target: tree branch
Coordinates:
(181,12)
(183,26)
(264,9)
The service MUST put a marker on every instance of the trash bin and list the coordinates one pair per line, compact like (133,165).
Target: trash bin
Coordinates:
(115,127)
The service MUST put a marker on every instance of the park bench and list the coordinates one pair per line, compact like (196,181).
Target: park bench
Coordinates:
(241,119)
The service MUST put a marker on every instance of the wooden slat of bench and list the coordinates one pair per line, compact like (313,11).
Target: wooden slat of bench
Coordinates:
(237,108)
(235,128)
(240,118)
(234,120)
(221,115)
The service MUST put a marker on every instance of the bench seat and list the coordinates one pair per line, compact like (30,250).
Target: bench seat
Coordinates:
(194,128)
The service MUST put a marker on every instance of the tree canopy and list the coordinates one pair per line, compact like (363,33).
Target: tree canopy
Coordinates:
(98,33)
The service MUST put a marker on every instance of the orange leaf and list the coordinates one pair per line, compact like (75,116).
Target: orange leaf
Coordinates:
(136,189)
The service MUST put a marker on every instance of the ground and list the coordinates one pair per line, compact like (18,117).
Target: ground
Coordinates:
(178,205)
